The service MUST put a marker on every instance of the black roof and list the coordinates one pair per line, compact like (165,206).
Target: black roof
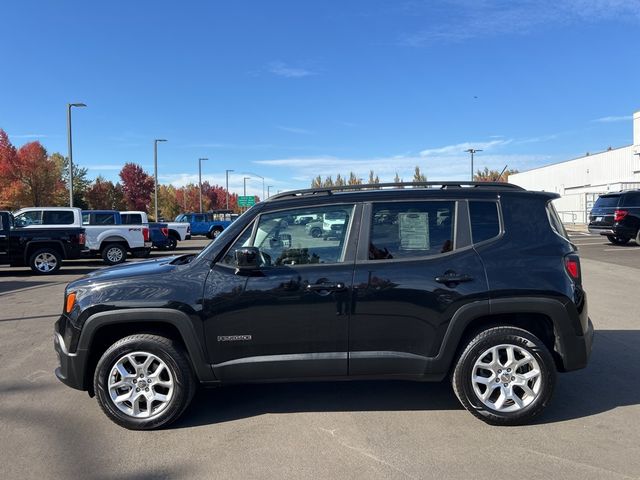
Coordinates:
(391,188)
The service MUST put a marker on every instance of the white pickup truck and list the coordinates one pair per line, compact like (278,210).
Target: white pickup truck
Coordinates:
(112,242)
(178,231)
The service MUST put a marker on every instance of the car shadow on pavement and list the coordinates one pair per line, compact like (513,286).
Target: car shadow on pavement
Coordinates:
(603,386)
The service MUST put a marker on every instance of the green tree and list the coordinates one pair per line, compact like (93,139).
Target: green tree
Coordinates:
(339,181)
(373,179)
(328,182)
(418,176)
(487,175)
(353,179)
(80,180)
(316,182)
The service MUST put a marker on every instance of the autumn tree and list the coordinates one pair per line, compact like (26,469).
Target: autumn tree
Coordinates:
(418,176)
(316,182)
(487,175)
(137,186)
(168,205)
(80,180)
(30,176)
(102,194)
(373,178)
(353,179)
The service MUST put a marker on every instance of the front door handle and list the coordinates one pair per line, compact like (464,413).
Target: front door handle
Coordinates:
(452,278)
(326,287)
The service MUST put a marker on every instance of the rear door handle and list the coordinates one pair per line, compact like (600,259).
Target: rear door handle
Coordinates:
(326,287)
(453,278)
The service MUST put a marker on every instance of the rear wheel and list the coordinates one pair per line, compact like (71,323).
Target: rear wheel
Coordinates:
(45,261)
(618,240)
(215,232)
(172,243)
(144,382)
(316,232)
(114,254)
(505,376)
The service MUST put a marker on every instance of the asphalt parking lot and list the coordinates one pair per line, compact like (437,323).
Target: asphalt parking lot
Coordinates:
(325,430)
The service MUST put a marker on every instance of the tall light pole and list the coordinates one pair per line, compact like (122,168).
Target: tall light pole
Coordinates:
(155,176)
(69,145)
(244,180)
(226,173)
(269,187)
(472,151)
(200,160)
(259,176)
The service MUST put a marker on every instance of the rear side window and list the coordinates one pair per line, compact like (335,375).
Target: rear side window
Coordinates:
(485,223)
(131,218)
(57,217)
(104,219)
(411,229)
(607,201)
(631,199)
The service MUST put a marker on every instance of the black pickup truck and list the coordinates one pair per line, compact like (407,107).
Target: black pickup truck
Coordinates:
(42,249)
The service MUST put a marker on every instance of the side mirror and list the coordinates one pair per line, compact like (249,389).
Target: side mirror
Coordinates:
(247,258)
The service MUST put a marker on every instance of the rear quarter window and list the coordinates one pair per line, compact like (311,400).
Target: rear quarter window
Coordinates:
(607,201)
(57,217)
(485,221)
(631,199)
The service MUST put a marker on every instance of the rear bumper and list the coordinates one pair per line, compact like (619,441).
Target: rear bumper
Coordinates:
(187,237)
(615,230)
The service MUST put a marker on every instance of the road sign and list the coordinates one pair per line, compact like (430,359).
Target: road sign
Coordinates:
(246,201)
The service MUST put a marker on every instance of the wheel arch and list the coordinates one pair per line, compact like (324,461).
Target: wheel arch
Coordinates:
(104,328)
(34,245)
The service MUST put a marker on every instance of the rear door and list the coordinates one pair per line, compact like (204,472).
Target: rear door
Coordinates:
(602,213)
(415,268)
(4,238)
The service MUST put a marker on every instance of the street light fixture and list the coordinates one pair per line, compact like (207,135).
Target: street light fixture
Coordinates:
(69,145)
(200,160)
(155,176)
(472,151)
(226,173)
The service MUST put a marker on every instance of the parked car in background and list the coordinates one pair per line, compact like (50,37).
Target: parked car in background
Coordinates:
(473,283)
(617,216)
(51,217)
(41,248)
(211,224)
(314,228)
(107,237)
(176,231)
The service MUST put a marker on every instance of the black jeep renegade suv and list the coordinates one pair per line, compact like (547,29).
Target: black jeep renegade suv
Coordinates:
(473,282)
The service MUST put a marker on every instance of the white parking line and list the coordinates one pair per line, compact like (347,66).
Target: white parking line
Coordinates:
(621,250)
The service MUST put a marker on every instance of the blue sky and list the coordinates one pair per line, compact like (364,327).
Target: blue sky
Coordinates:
(292,89)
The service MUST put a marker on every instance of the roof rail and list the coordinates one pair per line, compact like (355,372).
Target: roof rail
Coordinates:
(378,186)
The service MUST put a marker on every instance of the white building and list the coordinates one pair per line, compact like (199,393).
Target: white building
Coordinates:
(581,180)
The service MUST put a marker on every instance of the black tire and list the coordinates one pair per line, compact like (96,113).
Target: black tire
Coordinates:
(172,243)
(215,232)
(113,254)
(316,232)
(45,261)
(519,338)
(167,350)
(618,240)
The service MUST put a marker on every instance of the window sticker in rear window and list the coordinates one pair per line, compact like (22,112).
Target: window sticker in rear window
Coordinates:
(414,231)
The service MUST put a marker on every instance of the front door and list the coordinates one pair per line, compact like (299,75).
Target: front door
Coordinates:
(4,239)
(415,268)
(290,317)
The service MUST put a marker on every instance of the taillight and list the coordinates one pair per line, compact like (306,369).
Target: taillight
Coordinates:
(145,234)
(572,266)
(165,231)
(82,239)
(619,215)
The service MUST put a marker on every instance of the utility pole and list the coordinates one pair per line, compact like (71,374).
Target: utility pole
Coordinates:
(269,187)
(245,186)
(70,148)
(472,151)
(227,186)
(200,160)
(155,176)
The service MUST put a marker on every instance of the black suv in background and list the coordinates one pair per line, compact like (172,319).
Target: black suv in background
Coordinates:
(617,215)
(472,282)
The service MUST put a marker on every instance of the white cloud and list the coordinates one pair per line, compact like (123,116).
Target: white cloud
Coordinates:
(299,131)
(33,135)
(281,69)
(104,167)
(468,19)
(458,148)
(623,118)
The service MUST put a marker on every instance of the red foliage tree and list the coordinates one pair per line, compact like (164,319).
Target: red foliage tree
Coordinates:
(104,195)
(137,186)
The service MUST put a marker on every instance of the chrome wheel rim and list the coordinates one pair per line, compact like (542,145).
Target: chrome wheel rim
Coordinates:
(114,255)
(140,385)
(506,378)
(45,262)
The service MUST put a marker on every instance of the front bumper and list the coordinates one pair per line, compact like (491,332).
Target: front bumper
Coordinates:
(71,365)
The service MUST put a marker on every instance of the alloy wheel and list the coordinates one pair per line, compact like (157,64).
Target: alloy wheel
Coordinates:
(45,262)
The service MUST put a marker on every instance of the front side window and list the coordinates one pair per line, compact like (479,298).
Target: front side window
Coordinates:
(25,219)
(282,242)
(57,217)
(198,218)
(411,229)
(485,223)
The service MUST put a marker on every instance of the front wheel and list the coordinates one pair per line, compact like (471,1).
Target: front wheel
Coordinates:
(144,382)
(505,376)
(618,240)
